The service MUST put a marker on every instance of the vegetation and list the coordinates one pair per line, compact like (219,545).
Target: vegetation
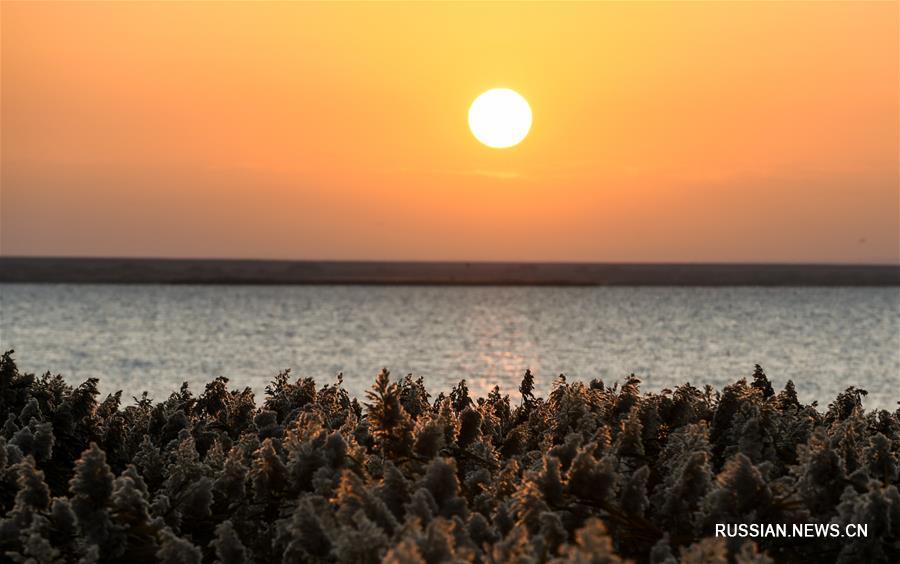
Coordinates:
(591,474)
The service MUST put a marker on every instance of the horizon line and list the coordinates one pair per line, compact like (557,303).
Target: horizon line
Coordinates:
(169,258)
(111,270)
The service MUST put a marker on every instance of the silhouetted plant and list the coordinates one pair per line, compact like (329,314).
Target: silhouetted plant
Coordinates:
(596,473)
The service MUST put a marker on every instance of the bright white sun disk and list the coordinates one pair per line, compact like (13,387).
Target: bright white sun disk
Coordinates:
(500,118)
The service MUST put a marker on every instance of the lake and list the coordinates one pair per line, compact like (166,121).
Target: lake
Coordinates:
(154,337)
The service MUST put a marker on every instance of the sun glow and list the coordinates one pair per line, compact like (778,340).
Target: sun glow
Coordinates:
(500,118)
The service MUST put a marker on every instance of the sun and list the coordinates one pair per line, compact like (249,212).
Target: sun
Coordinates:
(500,118)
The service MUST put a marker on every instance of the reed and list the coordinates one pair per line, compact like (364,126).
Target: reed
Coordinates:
(592,473)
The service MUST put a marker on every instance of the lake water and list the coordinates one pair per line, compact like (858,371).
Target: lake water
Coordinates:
(153,338)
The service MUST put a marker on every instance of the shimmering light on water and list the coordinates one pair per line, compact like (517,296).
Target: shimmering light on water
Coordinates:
(152,338)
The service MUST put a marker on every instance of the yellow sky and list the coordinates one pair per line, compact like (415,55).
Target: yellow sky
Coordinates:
(662,131)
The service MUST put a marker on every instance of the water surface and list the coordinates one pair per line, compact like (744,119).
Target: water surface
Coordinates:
(153,338)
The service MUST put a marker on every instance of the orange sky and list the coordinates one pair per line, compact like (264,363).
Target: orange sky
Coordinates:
(662,131)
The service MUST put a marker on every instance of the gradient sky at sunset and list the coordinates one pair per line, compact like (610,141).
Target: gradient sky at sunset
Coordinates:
(662,131)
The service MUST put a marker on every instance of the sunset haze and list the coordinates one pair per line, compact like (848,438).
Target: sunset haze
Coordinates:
(662,132)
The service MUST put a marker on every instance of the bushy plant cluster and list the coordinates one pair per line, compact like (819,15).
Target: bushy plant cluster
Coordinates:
(593,473)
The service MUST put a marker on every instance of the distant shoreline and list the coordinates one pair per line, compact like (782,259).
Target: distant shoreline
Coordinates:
(284,272)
